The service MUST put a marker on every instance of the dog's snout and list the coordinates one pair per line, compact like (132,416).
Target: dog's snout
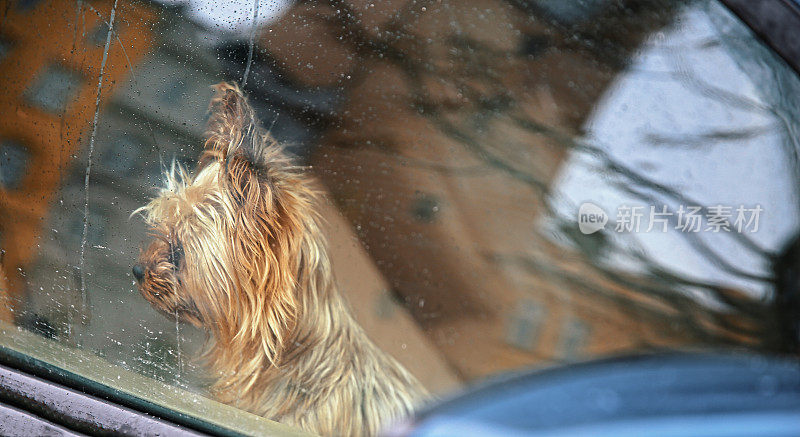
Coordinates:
(138,272)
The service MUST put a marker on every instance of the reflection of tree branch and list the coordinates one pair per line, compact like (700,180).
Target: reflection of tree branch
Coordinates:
(633,177)
(705,138)
(721,95)
(405,160)
(739,303)
(684,308)
(481,152)
(470,71)
(757,312)
(346,23)
(667,295)
(697,243)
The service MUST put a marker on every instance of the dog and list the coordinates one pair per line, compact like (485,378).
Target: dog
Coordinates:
(238,251)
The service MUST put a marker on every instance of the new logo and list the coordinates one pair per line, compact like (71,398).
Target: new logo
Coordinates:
(591,218)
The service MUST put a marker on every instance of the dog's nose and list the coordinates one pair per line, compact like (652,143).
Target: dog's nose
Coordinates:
(138,272)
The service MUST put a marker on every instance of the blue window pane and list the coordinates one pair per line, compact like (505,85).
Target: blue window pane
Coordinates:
(97,36)
(5,48)
(54,88)
(574,337)
(524,326)
(14,159)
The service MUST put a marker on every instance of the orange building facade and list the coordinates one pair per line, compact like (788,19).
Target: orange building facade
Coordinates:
(50,66)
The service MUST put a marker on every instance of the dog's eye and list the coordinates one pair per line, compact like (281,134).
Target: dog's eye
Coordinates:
(175,253)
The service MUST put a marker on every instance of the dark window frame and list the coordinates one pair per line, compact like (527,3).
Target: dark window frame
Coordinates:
(109,404)
(775,22)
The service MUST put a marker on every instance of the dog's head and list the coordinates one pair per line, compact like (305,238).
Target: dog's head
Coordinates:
(228,237)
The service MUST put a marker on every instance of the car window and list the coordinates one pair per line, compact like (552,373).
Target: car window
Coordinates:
(500,185)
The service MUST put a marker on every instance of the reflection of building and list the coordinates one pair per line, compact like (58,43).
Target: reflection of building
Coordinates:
(152,71)
(442,155)
(49,85)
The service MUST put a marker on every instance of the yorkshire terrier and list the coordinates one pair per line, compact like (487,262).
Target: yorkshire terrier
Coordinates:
(238,251)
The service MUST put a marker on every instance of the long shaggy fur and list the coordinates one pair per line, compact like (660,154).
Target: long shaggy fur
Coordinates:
(238,251)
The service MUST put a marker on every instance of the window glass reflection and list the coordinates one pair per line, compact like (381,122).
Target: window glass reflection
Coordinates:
(507,184)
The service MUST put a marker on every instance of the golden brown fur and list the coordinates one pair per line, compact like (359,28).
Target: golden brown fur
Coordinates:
(239,252)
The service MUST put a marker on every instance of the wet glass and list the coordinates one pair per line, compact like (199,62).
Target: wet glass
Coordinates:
(510,184)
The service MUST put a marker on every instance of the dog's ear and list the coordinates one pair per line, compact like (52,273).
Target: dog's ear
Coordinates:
(269,207)
(233,128)
(251,161)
